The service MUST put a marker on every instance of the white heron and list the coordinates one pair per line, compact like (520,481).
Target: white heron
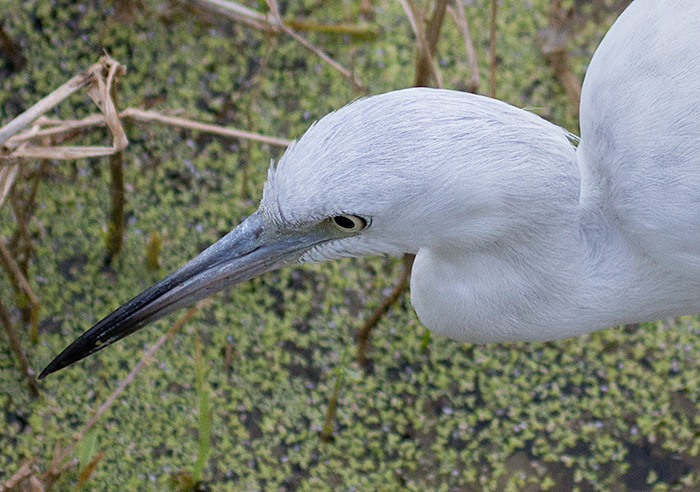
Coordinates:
(518,235)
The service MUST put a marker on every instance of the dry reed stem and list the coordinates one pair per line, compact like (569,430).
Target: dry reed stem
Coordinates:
(460,17)
(423,44)
(18,146)
(7,179)
(140,115)
(273,21)
(58,128)
(89,77)
(277,20)
(103,92)
(115,225)
(8,174)
(98,90)
(238,12)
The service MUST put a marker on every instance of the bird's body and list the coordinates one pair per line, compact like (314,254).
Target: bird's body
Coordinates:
(640,129)
(518,234)
(640,162)
(629,248)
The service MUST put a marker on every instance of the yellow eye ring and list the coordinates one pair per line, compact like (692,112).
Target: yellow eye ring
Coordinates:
(349,223)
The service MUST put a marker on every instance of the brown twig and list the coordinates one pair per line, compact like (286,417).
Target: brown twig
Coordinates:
(16,346)
(460,17)
(396,293)
(555,39)
(22,227)
(432,36)
(23,252)
(20,246)
(56,468)
(326,433)
(274,8)
(423,47)
(492,48)
(16,273)
(115,223)
(25,209)
(25,471)
(88,469)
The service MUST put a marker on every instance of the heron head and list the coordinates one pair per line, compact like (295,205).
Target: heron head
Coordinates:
(386,174)
(394,172)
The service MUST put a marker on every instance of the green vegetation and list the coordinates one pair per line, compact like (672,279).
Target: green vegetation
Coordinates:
(614,411)
(204,412)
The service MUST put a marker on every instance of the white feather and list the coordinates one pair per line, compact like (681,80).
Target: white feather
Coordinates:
(519,235)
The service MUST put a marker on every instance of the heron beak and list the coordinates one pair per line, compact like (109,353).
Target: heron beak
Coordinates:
(254,247)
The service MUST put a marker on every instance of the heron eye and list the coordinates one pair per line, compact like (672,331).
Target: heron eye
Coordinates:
(349,223)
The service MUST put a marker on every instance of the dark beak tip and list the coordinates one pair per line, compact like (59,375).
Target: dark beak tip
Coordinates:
(53,366)
(240,255)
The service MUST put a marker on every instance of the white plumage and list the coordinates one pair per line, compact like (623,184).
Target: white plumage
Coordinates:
(518,235)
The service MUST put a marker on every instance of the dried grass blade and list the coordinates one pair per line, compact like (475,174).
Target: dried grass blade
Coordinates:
(7,178)
(148,116)
(73,85)
(460,17)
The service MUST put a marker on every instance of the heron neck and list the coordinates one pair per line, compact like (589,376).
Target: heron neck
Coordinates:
(569,273)
(622,284)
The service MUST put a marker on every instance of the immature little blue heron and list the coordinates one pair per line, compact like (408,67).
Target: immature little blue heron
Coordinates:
(517,234)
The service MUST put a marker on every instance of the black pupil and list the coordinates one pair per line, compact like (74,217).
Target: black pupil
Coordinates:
(344,222)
